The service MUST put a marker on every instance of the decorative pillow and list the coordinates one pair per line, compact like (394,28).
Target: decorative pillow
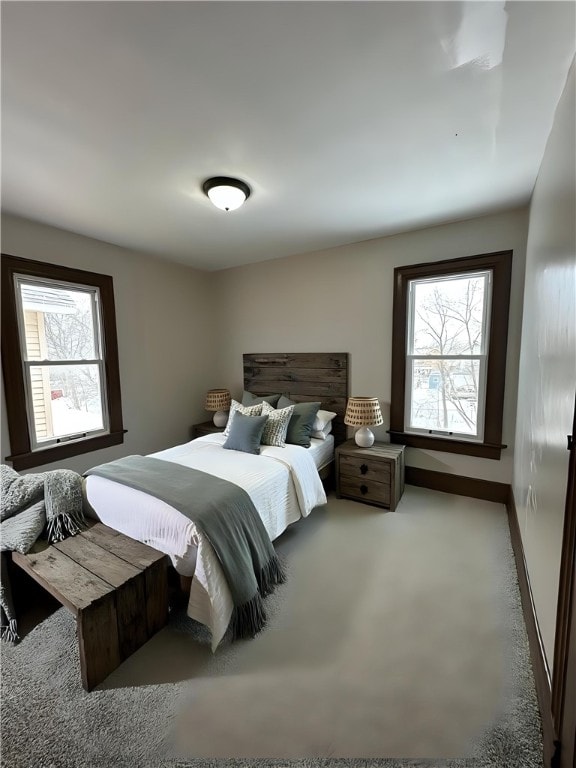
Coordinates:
(246,433)
(322,434)
(323,418)
(20,531)
(254,410)
(300,425)
(19,491)
(277,424)
(249,399)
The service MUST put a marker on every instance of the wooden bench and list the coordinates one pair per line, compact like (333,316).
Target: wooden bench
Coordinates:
(116,587)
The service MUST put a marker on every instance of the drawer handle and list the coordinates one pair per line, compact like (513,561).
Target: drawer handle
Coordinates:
(364,469)
(363,489)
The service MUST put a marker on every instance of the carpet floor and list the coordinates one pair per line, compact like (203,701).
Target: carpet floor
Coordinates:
(398,640)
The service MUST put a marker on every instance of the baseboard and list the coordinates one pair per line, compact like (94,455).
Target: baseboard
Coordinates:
(462,486)
(539,663)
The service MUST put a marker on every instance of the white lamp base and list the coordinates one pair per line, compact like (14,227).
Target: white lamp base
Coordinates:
(364,437)
(220,418)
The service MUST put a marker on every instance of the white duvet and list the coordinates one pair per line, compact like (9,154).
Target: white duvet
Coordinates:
(283,484)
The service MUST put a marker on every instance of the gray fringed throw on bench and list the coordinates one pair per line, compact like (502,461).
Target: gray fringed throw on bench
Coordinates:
(28,505)
(225,514)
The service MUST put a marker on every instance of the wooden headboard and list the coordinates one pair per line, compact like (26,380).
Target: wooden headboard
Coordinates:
(303,377)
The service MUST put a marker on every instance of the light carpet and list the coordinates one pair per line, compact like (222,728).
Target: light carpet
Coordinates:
(398,640)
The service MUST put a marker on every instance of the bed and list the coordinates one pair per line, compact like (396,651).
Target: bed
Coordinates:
(283,483)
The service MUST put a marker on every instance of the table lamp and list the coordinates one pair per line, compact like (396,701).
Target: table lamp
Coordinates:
(218,400)
(363,412)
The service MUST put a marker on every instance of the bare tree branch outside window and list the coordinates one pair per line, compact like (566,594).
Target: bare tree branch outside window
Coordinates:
(71,337)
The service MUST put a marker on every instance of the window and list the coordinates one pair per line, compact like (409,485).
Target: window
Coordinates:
(59,360)
(446,354)
(449,354)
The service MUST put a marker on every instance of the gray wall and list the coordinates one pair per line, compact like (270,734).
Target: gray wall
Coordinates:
(340,300)
(165,338)
(547,376)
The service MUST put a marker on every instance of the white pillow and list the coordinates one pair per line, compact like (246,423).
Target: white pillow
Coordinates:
(323,418)
(247,410)
(322,434)
(277,424)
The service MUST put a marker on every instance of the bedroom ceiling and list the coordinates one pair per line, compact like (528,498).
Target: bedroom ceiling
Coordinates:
(349,120)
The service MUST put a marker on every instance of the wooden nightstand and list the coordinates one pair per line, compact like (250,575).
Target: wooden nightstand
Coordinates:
(374,475)
(206,428)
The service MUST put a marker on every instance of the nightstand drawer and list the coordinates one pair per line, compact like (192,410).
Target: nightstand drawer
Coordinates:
(365,490)
(360,467)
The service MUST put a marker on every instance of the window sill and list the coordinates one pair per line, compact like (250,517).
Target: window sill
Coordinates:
(483,450)
(57,453)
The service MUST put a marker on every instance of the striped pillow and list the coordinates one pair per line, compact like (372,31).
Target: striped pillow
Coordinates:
(247,410)
(277,424)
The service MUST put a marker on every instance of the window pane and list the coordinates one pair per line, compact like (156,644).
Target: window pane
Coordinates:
(66,400)
(59,323)
(448,314)
(445,395)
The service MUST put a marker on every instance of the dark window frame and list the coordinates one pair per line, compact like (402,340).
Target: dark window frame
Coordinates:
(500,262)
(22,456)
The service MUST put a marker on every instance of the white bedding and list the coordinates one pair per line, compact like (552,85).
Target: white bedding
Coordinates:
(283,484)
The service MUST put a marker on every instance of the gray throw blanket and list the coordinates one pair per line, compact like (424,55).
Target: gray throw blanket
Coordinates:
(225,514)
(28,505)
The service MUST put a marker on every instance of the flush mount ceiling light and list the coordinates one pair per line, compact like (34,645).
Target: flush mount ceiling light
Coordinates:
(226,193)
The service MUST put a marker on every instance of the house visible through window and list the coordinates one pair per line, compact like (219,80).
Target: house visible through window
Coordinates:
(59,361)
(449,354)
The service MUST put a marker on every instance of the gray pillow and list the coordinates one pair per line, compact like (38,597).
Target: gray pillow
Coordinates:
(249,399)
(300,426)
(20,531)
(245,433)
(19,491)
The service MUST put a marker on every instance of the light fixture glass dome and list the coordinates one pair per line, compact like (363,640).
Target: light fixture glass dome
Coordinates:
(226,193)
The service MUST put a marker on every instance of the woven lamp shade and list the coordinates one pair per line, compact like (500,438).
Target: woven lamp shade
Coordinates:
(363,412)
(217,400)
